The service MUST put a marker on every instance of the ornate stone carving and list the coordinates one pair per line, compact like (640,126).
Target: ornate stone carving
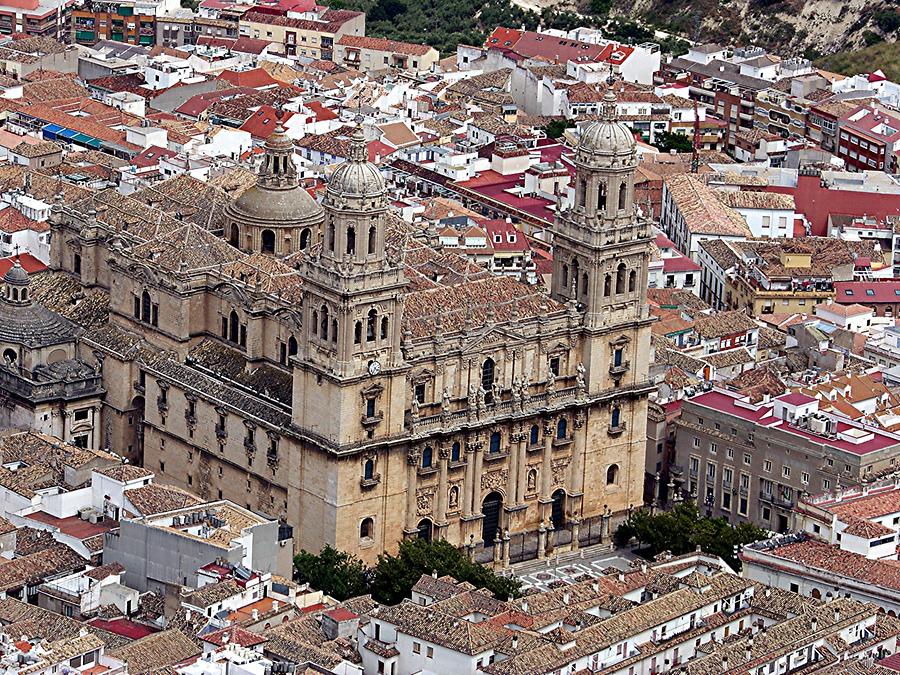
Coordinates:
(424,500)
(413,457)
(558,468)
(494,480)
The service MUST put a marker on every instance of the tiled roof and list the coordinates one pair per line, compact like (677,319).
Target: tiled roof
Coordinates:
(154,498)
(722,324)
(156,651)
(752,199)
(382,45)
(125,472)
(33,569)
(187,249)
(702,211)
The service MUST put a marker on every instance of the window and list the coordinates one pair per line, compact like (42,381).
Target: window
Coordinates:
(369,469)
(429,652)
(614,418)
(729,453)
(370,325)
(370,408)
(561,428)
(454,452)
(804,478)
(786,471)
(427,456)
(420,392)
(535,434)
(612,475)
(554,365)
(826,484)
(417,648)
(487,375)
(713,448)
(696,442)
(767,465)
(494,447)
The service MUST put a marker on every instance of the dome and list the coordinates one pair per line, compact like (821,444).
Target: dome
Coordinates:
(607,137)
(276,207)
(357,177)
(277,199)
(16,275)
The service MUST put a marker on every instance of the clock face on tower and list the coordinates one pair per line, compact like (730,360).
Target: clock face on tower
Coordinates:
(374,367)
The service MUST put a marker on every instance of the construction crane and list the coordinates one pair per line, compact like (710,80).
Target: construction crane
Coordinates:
(695,153)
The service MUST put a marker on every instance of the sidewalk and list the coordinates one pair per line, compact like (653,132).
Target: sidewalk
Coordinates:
(570,565)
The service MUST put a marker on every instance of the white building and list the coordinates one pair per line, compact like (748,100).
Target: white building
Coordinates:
(855,317)
(768,214)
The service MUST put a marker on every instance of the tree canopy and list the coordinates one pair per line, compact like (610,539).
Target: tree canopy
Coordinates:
(343,575)
(683,529)
(668,140)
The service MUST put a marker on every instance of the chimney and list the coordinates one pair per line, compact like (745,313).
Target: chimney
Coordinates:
(255,614)
(565,598)
(434,574)
(815,624)
(724,664)
(525,606)
(768,592)
(275,605)
(837,615)
(595,587)
(515,641)
(621,576)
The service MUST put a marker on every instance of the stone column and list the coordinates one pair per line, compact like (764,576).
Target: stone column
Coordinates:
(604,523)
(469,480)
(505,548)
(476,480)
(441,512)
(498,552)
(512,489)
(522,466)
(576,481)
(575,524)
(546,459)
(412,466)
(542,541)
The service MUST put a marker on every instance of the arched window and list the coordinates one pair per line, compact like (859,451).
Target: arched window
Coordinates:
(494,447)
(562,428)
(535,435)
(584,284)
(76,264)
(601,197)
(384,328)
(369,469)
(323,328)
(24,295)
(351,240)
(331,237)
(582,190)
(574,274)
(373,238)
(565,276)
(622,193)
(145,307)
(234,327)
(10,355)
(15,293)
(268,241)
(292,346)
(454,452)
(315,323)
(607,286)
(366,528)
(632,281)
(334,330)
(487,375)
(427,457)
(357,333)
(614,417)
(620,278)
(235,238)
(370,325)
(612,475)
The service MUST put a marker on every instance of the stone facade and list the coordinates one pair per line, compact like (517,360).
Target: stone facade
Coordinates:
(371,387)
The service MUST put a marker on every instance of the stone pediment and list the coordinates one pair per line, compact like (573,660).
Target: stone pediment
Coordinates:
(231,292)
(495,336)
(292,317)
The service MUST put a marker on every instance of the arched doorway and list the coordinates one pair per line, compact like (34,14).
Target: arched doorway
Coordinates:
(490,523)
(424,529)
(268,241)
(559,510)
(135,448)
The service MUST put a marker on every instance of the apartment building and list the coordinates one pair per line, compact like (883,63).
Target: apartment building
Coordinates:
(869,138)
(369,54)
(748,461)
(313,36)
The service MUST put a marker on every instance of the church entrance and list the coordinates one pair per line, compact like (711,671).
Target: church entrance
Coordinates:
(490,524)
(558,514)
(424,529)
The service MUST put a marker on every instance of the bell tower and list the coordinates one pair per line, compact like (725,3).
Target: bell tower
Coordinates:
(601,250)
(350,353)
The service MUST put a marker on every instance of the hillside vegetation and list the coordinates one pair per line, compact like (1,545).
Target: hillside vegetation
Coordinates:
(884,55)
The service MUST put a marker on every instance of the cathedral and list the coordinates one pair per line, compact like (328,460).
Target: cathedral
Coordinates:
(329,365)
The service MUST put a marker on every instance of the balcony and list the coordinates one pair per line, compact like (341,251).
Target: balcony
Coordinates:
(221,432)
(369,421)
(766,497)
(617,429)
(366,483)
(620,369)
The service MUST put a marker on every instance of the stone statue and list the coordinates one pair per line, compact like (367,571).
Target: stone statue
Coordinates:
(497,391)
(532,480)
(579,377)
(453,502)
(551,382)
(445,400)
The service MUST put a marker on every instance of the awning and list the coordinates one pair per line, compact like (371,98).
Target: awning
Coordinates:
(68,133)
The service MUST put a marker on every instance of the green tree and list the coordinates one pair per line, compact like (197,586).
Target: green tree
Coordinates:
(683,529)
(394,576)
(340,575)
(557,128)
(667,141)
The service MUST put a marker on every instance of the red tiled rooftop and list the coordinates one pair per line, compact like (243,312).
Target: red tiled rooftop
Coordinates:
(341,614)
(73,525)
(796,398)
(680,263)
(124,627)
(28,262)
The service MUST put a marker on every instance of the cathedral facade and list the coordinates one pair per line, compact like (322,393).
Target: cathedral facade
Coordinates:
(328,364)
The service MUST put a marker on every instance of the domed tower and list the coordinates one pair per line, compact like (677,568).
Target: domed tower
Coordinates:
(275,216)
(600,249)
(350,353)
